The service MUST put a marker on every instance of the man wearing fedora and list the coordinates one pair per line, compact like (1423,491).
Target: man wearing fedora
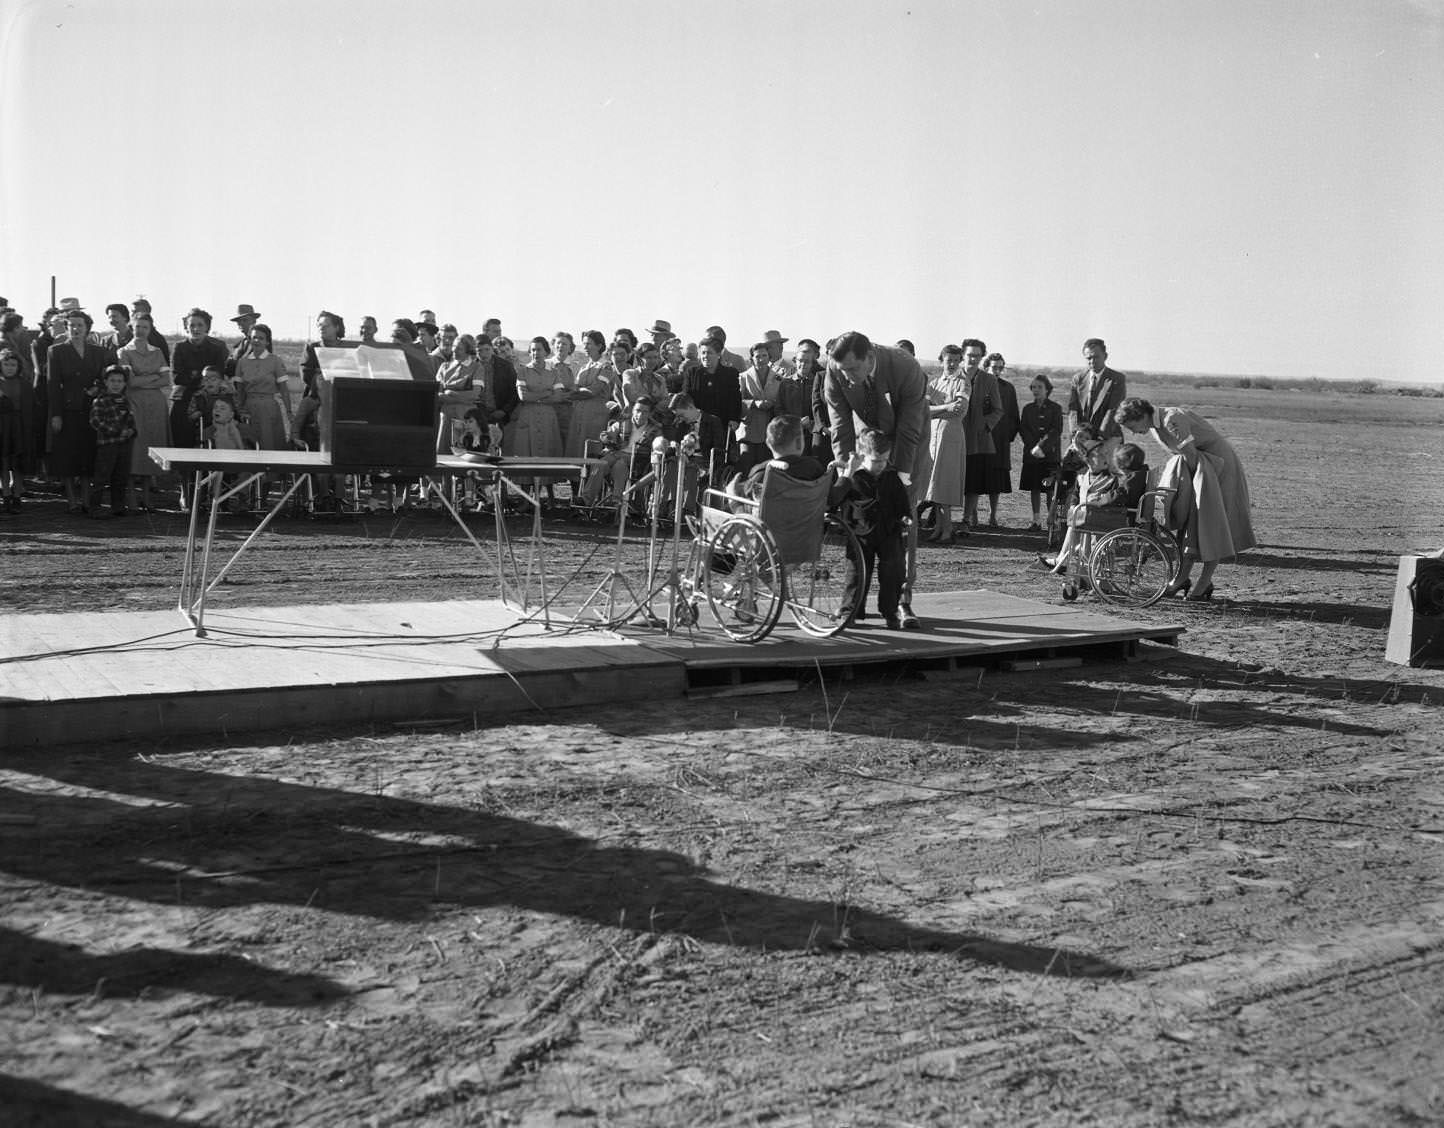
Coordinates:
(661,332)
(774,341)
(245,320)
(884,389)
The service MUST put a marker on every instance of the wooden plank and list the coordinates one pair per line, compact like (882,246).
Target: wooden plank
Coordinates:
(308,658)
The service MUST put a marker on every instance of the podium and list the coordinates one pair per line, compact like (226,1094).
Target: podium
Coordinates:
(1416,627)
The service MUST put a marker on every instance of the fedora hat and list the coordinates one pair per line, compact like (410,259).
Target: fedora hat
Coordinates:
(660,326)
(70,305)
(244,311)
(773,337)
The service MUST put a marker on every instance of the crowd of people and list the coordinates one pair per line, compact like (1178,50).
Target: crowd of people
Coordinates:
(84,407)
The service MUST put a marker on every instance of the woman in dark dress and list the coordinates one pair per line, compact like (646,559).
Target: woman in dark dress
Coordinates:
(190,358)
(1005,430)
(1040,426)
(74,369)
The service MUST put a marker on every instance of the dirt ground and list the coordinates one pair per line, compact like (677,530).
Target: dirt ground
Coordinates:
(1202,888)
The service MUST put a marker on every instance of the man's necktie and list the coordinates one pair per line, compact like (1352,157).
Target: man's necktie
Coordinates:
(869,402)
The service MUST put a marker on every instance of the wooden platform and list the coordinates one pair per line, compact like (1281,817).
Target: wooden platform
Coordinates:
(129,675)
(971,628)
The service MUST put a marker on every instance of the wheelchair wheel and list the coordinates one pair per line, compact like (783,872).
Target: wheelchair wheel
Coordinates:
(815,590)
(743,579)
(1130,567)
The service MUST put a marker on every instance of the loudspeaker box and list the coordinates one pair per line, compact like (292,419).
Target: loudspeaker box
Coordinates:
(382,424)
(1416,628)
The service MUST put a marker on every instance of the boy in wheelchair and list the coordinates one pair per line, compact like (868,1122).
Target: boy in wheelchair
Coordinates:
(1110,496)
(626,451)
(786,441)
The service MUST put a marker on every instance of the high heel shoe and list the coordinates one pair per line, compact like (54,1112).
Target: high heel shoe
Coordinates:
(1202,595)
(1178,588)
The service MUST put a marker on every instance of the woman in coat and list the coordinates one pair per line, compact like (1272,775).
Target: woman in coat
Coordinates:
(1211,509)
(947,407)
(74,367)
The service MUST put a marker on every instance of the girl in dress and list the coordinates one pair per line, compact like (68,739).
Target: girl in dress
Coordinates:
(948,405)
(591,391)
(1040,425)
(262,392)
(533,430)
(263,397)
(564,380)
(149,394)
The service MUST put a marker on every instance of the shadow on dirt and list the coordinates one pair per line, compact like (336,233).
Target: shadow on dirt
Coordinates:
(32,1104)
(221,841)
(1344,614)
(26,961)
(1316,563)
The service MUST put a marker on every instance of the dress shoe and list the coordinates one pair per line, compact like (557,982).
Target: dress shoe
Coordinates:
(909,620)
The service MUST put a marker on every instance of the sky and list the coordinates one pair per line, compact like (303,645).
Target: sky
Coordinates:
(1211,185)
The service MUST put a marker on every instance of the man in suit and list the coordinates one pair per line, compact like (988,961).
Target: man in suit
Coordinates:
(985,410)
(1096,393)
(885,389)
(498,379)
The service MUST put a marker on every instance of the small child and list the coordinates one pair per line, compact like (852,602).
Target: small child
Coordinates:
(875,507)
(213,387)
(1119,486)
(114,426)
(786,441)
(1124,488)
(225,432)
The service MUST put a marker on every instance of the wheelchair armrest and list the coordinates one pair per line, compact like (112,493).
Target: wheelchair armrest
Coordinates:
(721,499)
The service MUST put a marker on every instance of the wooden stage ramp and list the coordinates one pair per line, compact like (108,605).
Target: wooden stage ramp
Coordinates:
(79,678)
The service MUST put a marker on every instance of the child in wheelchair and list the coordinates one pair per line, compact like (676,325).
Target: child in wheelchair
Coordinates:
(1109,498)
(626,452)
(787,441)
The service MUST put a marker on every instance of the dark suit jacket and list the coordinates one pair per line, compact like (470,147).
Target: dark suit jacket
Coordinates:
(1006,429)
(71,376)
(902,410)
(500,381)
(985,409)
(1110,388)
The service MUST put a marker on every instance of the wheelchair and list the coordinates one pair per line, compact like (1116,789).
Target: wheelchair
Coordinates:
(752,558)
(1061,490)
(1128,557)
